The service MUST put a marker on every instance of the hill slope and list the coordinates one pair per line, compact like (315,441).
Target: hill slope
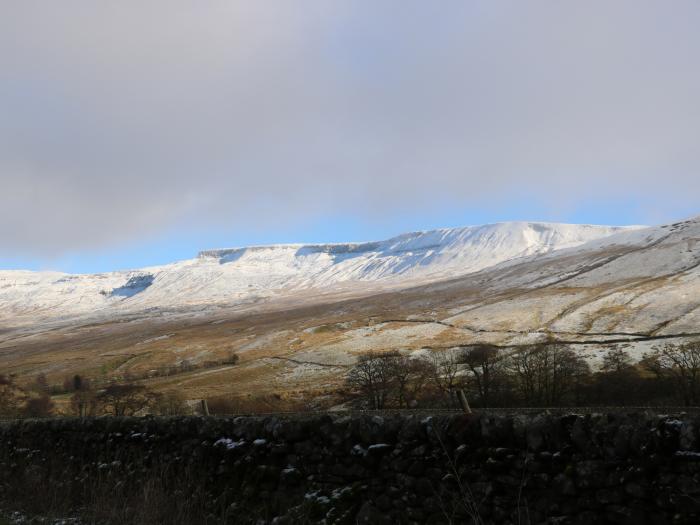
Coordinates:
(253,274)
(631,289)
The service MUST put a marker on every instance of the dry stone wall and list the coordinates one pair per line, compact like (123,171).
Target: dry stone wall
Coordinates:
(595,468)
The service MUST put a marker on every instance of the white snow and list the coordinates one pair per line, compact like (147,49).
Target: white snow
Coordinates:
(379,446)
(229,443)
(241,276)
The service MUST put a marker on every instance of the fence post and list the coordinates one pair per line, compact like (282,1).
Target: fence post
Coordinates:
(205,407)
(463,402)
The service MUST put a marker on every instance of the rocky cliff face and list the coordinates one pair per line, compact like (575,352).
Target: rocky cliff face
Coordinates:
(596,468)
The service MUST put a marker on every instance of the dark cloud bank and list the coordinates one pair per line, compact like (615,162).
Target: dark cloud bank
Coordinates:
(121,118)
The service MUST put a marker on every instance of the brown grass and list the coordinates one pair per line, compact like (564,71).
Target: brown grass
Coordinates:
(104,350)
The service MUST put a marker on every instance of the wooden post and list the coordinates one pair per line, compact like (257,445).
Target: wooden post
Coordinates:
(463,402)
(205,408)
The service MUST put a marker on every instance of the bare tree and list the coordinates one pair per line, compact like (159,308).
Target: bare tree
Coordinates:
(446,370)
(618,381)
(12,397)
(681,363)
(487,366)
(83,401)
(372,376)
(410,376)
(74,382)
(546,373)
(41,406)
(616,360)
(170,404)
(124,399)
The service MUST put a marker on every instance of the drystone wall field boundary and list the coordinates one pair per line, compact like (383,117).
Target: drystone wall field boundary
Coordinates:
(622,467)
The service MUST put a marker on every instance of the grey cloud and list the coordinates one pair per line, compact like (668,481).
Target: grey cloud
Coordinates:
(121,118)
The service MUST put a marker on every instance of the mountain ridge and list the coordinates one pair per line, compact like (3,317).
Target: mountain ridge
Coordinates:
(370,245)
(627,288)
(259,273)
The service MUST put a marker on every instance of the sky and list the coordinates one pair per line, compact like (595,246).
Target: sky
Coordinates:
(136,133)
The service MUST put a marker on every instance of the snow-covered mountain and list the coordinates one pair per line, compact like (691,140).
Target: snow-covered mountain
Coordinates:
(251,274)
(645,282)
(298,315)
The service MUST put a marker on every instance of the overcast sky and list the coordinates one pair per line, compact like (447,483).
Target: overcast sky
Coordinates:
(135,132)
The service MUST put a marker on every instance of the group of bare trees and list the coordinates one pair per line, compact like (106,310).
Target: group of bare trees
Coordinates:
(122,399)
(537,375)
(548,374)
(391,379)
(116,399)
(388,379)
(24,401)
(678,365)
(11,397)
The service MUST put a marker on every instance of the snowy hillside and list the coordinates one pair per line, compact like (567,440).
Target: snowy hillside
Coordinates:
(298,315)
(242,275)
